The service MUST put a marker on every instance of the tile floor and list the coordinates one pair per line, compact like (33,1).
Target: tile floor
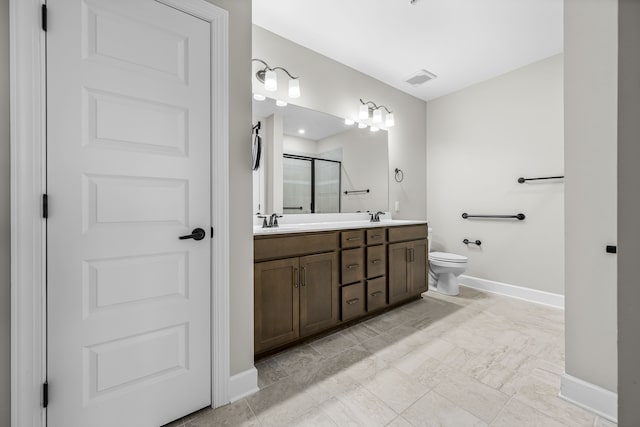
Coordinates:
(473,360)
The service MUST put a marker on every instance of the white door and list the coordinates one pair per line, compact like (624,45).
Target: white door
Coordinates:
(128,157)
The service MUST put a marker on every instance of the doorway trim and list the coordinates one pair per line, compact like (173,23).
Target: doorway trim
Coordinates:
(28,184)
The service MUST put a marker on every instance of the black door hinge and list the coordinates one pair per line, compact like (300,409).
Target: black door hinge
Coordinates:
(45,395)
(44,17)
(45,206)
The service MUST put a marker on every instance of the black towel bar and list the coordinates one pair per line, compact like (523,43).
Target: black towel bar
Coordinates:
(357,191)
(523,180)
(519,216)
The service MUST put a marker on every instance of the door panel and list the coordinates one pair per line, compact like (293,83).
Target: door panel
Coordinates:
(419,267)
(399,280)
(319,298)
(276,306)
(128,159)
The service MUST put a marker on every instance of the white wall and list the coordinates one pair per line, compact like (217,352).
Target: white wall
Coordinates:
(334,88)
(5,233)
(300,146)
(364,154)
(479,141)
(628,213)
(591,46)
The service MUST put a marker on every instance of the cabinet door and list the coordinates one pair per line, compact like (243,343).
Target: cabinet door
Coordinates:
(399,280)
(319,299)
(276,303)
(418,267)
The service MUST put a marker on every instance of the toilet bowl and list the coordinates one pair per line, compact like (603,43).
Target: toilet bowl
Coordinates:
(444,269)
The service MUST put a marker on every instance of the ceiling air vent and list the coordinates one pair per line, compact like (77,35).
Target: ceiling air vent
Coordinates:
(420,77)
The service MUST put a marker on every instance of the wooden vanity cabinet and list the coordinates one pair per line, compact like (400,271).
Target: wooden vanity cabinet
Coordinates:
(309,283)
(408,264)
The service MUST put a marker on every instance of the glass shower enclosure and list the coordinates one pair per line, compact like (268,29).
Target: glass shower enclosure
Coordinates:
(311,185)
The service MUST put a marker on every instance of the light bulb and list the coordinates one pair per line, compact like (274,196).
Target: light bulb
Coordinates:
(270,80)
(389,121)
(377,116)
(364,112)
(301,131)
(281,103)
(259,97)
(362,125)
(294,88)
(348,122)
(374,129)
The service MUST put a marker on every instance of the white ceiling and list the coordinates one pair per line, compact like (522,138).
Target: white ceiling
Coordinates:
(461,41)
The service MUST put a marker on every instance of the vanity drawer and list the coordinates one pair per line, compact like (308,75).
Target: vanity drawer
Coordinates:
(352,265)
(353,301)
(376,293)
(284,247)
(407,232)
(376,236)
(376,260)
(352,239)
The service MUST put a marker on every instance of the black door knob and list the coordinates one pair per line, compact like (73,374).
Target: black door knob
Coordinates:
(196,234)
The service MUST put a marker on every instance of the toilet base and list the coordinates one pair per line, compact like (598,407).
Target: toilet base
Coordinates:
(444,283)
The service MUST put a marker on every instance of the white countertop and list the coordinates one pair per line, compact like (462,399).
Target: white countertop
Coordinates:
(331,225)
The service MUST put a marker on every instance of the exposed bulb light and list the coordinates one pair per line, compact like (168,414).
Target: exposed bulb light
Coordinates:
(280,103)
(364,112)
(389,120)
(374,129)
(301,131)
(362,125)
(270,80)
(377,116)
(294,88)
(348,122)
(259,97)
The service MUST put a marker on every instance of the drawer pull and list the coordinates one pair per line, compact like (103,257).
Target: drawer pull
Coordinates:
(376,261)
(352,266)
(376,293)
(353,301)
(351,239)
(296,278)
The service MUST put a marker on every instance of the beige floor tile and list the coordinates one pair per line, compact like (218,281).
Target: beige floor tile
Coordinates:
(269,372)
(398,390)
(314,418)
(481,400)
(332,344)
(517,414)
(237,414)
(399,422)
(387,348)
(298,359)
(423,368)
(544,397)
(601,422)
(434,410)
(281,403)
(358,407)
(359,333)
(366,368)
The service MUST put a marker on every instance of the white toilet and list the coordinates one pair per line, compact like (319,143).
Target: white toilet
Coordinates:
(444,270)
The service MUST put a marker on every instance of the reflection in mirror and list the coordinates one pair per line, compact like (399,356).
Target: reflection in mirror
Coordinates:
(315,163)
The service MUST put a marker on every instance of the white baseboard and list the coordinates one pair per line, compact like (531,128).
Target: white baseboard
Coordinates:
(527,294)
(589,396)
(243,384)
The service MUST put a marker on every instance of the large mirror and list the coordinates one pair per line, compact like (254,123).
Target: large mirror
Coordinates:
(313,162)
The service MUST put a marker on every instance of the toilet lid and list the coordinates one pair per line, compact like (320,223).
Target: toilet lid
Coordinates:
(443,256)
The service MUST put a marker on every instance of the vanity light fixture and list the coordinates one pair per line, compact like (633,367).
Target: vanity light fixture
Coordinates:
(349,122)
(268,76)
(369,107)
(280,103)
(259,97)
